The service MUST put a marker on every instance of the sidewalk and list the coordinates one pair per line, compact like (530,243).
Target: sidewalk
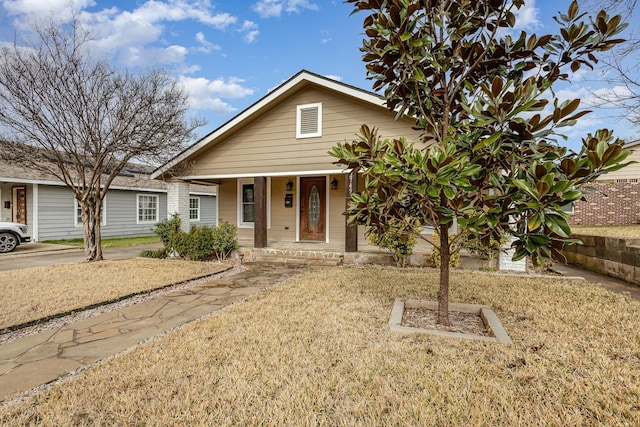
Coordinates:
(46,356)
(607,282)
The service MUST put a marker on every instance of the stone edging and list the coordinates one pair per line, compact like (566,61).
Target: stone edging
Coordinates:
(488,316)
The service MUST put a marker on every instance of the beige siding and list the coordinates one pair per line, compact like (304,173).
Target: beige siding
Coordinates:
(268,144)
(283,220)
(629,172)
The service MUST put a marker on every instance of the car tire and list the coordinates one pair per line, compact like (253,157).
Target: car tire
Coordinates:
(8,242)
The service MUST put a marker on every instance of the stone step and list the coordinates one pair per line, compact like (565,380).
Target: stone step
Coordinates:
(296,260)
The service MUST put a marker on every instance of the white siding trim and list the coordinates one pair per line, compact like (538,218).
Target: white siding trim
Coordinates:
(62,184)
(327,187)
(267,174)
(34,212)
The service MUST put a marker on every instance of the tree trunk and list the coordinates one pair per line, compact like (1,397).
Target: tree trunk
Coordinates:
(91,220)
(443,291)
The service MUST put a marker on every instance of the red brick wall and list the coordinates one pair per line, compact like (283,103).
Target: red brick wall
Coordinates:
(611,203)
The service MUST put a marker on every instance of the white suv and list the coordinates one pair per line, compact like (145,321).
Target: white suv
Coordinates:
(11,235)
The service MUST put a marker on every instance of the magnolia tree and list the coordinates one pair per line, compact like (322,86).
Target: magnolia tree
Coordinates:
(69,115)
(481,93)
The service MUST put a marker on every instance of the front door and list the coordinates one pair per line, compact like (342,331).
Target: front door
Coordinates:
(20,205)
(313,208)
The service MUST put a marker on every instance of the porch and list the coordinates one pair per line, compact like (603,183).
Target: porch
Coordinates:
(320,253)
(332,254)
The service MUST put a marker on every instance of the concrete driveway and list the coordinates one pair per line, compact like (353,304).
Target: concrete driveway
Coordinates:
(39,254)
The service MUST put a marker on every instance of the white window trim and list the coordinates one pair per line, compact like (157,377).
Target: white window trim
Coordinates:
(239,203)
(198,217)
(77,222)
(138,208)
(299,109)
(572,209)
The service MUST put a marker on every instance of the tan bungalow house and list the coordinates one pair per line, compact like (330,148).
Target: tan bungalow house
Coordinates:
(274,178)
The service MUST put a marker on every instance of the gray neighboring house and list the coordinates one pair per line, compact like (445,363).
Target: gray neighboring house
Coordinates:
(132,206)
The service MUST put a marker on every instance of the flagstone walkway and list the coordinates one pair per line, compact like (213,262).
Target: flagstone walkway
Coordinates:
(46,356)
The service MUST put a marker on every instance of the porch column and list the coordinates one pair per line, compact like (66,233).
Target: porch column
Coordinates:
(260,212)
(178,202)
(351,231)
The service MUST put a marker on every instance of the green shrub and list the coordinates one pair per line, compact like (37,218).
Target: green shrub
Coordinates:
(166,227)
(398,237)
(201,243)
(485,251)
(151,253)
(225,240)
(455,244)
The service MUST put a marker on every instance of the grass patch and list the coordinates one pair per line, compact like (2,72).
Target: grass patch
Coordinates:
(317,350)
(621,231)
(35,293)
(110,243)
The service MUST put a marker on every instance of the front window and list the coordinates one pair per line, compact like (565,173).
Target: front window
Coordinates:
(246,203)
(147,208)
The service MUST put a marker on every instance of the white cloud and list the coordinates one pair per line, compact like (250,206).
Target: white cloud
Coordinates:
(251,30)
(205,45)
(128,34)
(333,77)
(274,8)
(205,94)
(615,96)
(38,9)
(141,57)
(527,16)
(268,8)
(251,36)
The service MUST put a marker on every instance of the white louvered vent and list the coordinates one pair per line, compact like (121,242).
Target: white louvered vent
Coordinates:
(309,121)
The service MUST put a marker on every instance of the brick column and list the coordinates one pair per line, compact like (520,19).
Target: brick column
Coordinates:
(178,202)
(504,259)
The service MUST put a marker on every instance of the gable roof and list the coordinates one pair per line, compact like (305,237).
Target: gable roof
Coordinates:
(301,79)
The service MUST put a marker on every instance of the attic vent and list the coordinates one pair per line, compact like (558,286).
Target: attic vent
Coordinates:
(309,120)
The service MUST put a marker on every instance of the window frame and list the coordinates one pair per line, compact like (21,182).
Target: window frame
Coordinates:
(77,213)
(239,193)
(197,209)
(157,208)
(299,109)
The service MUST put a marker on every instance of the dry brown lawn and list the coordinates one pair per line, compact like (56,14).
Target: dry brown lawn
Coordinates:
(317,350)
(35,293)
(622,231)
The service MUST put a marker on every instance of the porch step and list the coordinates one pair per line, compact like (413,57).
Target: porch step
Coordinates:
(315,257)
(291,261)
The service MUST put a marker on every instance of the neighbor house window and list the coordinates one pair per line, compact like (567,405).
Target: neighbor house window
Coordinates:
(569,208)
(246,203)
(147,208)
(78,213)
(309,120)
(194,208)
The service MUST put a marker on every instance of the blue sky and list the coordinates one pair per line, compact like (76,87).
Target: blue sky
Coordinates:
(229,54)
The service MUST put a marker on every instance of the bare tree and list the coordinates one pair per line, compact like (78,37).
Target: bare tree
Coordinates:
(619,67)
(67,114)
